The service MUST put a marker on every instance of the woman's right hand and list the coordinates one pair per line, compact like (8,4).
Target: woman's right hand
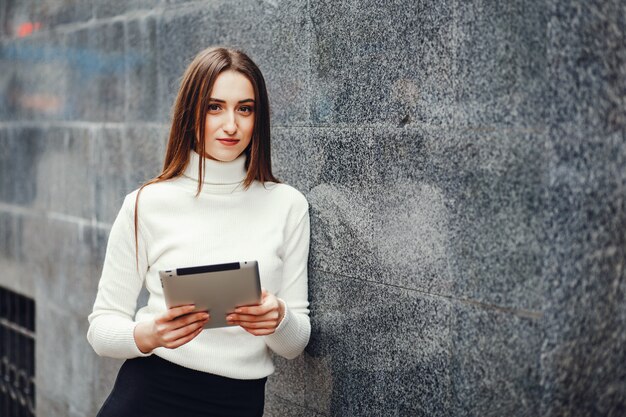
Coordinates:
(171,329)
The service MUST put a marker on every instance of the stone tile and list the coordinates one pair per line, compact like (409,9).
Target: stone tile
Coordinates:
(493,185)
(124,159)
(17,263)
(63,359)
(385,63)
(58,12)
(495,368)
(288,380)
(585,313)
(378,357)
(9,240)
(427,210)
(84,371)
(587,56)
(142,88)
(53,167)
(296,157)
(46,13)
(111,165)
(368,221)
(54,407)
(3,20)
(106,372)
(146,147)
(274,34)
(20,151)
(110,8)
(69,266)
(501,64)
(34,84)
(275,406)
(96,67)
(64,173)
(9,82)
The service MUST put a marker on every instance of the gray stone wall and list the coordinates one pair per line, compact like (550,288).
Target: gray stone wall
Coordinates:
(464,162)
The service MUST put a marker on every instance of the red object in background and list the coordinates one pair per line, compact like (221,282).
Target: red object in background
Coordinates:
(27,28)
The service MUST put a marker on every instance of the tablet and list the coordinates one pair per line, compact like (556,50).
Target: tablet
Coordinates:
(217,288)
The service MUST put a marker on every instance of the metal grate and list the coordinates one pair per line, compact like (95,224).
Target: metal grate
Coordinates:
(17,355)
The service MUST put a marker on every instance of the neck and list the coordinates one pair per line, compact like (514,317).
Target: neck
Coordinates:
(217,172)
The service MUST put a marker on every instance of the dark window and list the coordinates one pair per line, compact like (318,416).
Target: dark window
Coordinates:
(17,354)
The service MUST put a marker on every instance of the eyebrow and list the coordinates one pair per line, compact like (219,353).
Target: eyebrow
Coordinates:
(224,101)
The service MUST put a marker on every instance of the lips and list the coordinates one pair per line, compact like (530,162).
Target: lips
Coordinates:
(228,141)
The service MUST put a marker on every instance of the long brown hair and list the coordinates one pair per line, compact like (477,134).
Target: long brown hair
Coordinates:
(188,120)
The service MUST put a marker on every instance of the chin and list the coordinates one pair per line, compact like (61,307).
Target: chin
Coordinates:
(224,156)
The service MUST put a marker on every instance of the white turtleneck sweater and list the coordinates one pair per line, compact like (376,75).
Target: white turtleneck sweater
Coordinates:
(225,223)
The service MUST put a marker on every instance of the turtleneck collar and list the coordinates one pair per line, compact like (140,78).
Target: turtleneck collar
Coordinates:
(217,172)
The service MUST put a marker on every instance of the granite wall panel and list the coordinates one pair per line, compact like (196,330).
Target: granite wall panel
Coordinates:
(64,172)
(296,158)
(586,49)
(378,213)
(111,8)
(64,260)
(376,347)
(474,197)
(493,185)
(105,374)
(584,341)
(7,82)
(463,161)
(24,17)
(34,78)
(47,169)
(21,150)
(142,87)
(9,240)
(495,365)
(61,387)
(16,262)
(277,406)
(96,68)
(501,64)
(273,33)
(3,19)
(51,244)
(381,62)
(124,158)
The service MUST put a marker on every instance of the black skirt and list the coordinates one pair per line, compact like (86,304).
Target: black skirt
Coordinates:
(154,387)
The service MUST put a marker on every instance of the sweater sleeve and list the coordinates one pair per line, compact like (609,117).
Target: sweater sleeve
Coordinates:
(292,334)
(111,324)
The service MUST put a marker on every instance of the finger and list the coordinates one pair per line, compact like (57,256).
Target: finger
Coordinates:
(183,332)
(174,312)
(257,310)
(260,332)
(188,319)
(165,330)
(271,315)
(183,340)
(258,324)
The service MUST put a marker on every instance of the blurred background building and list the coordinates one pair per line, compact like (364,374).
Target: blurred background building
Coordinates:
(464,162)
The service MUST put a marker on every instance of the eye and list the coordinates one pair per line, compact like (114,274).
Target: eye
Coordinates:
(213,107)
(246,109)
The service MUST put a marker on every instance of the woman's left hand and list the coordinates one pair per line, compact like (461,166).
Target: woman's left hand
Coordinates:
(262,319)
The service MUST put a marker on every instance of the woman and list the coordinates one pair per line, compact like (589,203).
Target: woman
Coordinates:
(238,211)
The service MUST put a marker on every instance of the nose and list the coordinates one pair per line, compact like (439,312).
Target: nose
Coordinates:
(230,124)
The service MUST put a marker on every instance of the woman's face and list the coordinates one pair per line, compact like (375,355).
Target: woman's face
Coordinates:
(230,120)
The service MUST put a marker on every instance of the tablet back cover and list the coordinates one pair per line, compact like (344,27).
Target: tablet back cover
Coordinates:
(217,288)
